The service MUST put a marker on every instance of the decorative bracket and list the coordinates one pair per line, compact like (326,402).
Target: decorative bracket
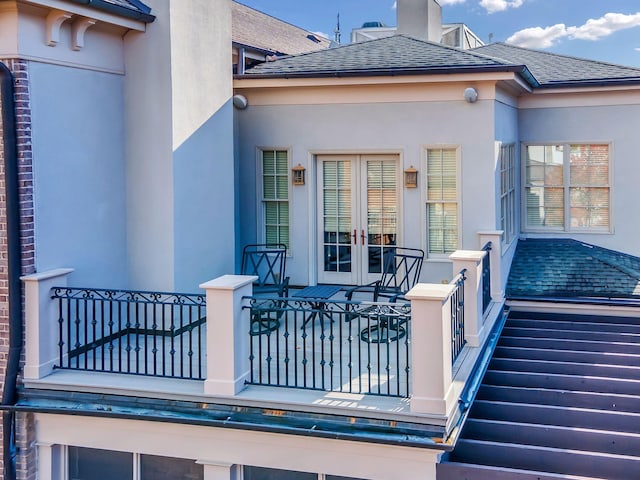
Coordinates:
(78,30)
(55,19)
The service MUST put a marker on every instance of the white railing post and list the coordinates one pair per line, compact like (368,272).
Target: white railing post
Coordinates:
(431,369)
(495,237)
(41,322)
(227,334)
(471,261)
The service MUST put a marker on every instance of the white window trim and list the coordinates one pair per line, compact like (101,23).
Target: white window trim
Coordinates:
(261,220)
(509,237)
(566,186)
(435,257)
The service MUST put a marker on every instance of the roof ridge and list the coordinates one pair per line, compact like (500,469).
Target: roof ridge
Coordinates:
(561,55)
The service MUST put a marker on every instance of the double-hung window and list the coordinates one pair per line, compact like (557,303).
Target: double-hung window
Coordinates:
(442,201)
(508,202)
(567,187)
(275,196)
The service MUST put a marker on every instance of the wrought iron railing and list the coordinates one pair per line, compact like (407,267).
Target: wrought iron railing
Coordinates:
(133,332)
(486,278)
(342,346)
(457,316)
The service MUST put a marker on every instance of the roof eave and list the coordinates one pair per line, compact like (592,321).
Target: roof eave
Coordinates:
(592,83)
(522,70)
(108,7)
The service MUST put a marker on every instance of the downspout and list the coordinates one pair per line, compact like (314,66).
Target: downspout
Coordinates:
(14,265)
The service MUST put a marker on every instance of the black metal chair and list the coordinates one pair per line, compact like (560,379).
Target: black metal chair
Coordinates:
(267,262)
(400,272)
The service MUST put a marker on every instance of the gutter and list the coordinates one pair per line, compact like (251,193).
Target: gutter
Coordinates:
(14,266)
(400,71)
(143,14)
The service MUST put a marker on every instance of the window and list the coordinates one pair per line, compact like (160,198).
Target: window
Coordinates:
(508,192)
(94,464)
(567,187)
(275,196)
(260,473)
(442,201)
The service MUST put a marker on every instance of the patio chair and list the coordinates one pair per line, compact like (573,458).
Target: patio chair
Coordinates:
(267,262)
(401,271)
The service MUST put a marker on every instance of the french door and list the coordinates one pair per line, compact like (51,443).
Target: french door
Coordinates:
(358,216)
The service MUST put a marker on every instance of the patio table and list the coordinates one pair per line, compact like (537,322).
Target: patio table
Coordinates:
(317,296)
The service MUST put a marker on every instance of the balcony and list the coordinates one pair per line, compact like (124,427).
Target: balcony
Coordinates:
(409,361)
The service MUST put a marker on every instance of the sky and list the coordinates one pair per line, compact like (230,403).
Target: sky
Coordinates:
(605,30)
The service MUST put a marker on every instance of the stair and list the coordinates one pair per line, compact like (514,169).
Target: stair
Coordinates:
(560,399)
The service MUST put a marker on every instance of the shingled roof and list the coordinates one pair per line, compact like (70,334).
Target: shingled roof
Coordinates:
(258,30)
(398,54)
(553,70)
(567,268)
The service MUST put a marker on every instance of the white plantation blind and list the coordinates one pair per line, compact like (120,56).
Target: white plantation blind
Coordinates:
(337,196)
(275,196)
(508,202)
(382,198)
(567,187)
(442,200)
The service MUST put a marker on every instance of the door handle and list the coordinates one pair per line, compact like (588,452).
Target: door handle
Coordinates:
(355,236)
(362,237)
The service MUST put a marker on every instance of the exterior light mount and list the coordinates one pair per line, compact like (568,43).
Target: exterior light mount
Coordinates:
(297,175)
(411,177)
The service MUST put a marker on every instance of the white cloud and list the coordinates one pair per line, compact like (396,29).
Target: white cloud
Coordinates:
(604,26)
(593,29)
(538,37)
(637,49)
(322,34)
(450,2)
(493,6)
(394,6)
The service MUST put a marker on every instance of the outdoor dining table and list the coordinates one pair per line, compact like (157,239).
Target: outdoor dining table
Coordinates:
(317,296)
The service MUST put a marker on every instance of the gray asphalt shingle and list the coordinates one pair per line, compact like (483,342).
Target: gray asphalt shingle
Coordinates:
(569,268)
(551,69)
(399,53)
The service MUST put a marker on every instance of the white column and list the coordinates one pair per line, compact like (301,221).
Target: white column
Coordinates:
(495,257)
(431,348)
(220,471)
(227,334)
(471,261)
(41,322)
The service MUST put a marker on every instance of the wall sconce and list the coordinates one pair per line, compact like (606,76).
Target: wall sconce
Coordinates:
(297,173)
(411,177)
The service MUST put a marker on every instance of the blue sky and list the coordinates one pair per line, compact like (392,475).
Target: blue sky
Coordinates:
(607,30)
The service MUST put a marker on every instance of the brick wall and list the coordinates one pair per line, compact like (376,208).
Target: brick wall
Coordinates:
(25,435)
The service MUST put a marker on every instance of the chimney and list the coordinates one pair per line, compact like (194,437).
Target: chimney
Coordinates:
(420,19)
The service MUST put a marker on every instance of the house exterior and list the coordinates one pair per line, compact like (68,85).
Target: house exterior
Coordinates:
(123,146)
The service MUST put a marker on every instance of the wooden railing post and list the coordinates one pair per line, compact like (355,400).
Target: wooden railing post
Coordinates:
(471,261)
(495,237)
(41,322)
(227,334)
(431,369)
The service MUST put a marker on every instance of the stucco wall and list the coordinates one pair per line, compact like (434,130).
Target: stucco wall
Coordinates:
(506,118)
(78,156)
(405,128)
(180,147)
(617,124)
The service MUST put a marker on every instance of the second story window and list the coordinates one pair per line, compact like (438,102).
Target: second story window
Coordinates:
(275,196)
(508,203)
(567,187)
(442,201)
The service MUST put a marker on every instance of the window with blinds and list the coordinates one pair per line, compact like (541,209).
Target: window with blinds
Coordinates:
(275,196)
(567,187)
(442,200)
(508,203)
